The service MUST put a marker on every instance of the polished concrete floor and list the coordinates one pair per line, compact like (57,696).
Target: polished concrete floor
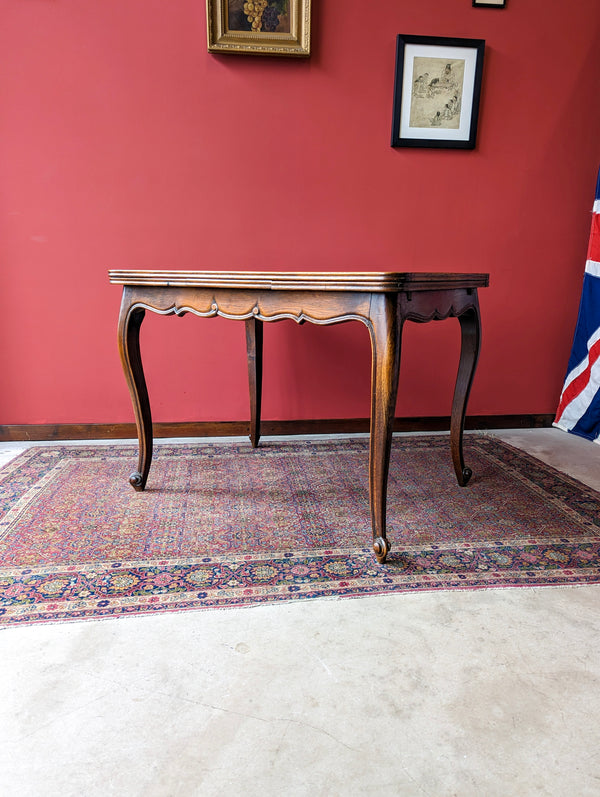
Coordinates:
(490,692)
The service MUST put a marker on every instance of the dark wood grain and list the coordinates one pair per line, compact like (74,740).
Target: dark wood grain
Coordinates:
(382,301)
(470,326)
(254,353)
(130,321)
(372,281)
(385,329)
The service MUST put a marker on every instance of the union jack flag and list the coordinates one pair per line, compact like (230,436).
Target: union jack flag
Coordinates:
(579,406)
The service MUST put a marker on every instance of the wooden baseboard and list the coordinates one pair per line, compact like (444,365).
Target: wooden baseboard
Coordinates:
(119,431)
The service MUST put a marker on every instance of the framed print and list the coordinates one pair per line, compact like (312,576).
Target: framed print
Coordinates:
(436,92)
(259,27)
(489,3)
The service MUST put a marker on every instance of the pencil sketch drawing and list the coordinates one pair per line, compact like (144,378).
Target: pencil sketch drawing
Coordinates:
(436,92)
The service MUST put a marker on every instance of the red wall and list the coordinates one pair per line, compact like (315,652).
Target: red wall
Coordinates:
(124,144)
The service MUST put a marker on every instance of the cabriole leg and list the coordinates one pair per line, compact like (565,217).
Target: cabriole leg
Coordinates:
(254,350)
(130,322)
(385,346)
(470,325)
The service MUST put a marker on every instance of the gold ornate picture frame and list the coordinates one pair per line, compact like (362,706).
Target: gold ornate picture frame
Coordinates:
(259,27)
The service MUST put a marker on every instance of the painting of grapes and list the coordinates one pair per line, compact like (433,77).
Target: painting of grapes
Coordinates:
(259,16)
(259,27)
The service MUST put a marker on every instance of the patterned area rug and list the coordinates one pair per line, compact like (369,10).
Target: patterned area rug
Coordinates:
(225,525)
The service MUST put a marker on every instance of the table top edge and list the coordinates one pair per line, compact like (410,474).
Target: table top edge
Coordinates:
(381,281)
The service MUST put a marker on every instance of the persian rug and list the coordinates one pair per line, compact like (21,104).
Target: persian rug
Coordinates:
(223,525)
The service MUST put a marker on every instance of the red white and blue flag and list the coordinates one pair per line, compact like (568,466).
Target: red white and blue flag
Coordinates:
(579,406)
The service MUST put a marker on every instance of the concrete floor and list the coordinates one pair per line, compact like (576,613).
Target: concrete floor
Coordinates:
(491,692)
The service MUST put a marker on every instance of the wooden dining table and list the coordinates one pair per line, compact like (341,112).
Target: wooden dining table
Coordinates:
(380,300)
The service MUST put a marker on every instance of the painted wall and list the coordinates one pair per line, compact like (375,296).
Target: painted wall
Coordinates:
(124,144)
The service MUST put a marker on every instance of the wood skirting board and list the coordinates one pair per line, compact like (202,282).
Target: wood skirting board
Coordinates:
(118,431)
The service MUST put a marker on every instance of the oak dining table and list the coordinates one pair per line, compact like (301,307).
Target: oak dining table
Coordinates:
(380,300)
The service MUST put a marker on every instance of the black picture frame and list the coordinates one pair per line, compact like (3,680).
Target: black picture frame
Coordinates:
(437,88)
(489,4)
